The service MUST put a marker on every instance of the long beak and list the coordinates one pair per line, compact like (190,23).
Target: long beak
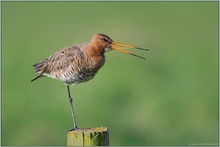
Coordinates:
(127,46)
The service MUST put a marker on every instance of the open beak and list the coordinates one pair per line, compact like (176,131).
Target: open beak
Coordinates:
(127,46)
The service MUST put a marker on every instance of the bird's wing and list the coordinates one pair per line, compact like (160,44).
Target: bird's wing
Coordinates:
(59,61)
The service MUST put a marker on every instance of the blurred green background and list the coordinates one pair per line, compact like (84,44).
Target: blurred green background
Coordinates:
(171,98)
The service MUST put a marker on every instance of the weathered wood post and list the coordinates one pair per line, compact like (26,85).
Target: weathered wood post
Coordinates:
(88,137)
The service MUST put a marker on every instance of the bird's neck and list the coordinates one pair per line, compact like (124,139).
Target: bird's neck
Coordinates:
(95,57)
(93,50)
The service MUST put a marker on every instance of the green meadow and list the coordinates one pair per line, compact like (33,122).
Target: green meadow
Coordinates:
(171,98)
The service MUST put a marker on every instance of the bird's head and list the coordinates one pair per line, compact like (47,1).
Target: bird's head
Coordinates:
(104,43)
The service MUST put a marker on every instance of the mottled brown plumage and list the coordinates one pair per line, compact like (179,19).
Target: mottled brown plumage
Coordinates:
(78,63)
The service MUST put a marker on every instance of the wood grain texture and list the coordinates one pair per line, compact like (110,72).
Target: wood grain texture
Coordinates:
(88,137)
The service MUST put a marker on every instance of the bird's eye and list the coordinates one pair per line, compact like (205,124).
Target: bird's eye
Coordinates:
(105,39)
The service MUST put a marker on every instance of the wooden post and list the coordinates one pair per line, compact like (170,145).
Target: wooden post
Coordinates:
(88,137)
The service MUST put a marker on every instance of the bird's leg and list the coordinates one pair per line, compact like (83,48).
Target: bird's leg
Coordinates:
(71,107)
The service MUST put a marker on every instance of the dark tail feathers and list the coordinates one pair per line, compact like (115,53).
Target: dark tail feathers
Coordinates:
(39,69)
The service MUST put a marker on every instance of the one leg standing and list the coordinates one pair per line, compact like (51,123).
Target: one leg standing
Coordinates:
(71,107)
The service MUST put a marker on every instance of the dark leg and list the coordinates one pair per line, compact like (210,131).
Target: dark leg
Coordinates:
(71,107)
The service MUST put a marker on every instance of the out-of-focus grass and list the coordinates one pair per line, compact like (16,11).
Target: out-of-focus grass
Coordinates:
(171,98)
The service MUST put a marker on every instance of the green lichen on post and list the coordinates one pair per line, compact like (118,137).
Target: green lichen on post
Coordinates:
(88,137)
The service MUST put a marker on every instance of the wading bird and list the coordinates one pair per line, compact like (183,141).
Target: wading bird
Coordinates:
(79,63)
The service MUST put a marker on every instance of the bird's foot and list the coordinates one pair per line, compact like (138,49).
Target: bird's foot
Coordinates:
(74,129)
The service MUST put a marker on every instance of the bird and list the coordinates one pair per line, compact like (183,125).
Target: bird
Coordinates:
(79,63)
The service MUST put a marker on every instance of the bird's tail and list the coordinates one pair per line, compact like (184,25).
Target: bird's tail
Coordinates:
(39,69)
(36,77)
